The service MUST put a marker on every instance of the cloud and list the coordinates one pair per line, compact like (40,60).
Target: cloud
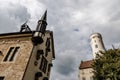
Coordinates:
(87,17)
(72,22)
(12,15)
(65,63)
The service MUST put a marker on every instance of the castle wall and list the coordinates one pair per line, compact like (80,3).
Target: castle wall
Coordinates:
(13,69)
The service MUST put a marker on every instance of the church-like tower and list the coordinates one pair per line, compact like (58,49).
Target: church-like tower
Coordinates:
(96,43)
(27,55)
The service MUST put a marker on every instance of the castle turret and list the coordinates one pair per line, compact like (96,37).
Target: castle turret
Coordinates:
(96,43)
(40,30)
(27,55)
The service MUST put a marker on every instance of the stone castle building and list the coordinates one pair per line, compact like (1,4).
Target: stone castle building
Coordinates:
(27,55)
(85,68)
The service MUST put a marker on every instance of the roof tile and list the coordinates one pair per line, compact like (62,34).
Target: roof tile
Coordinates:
(86,64)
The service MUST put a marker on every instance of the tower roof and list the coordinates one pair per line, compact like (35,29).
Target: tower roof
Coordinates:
(44,17)
(42,23)
(86,64)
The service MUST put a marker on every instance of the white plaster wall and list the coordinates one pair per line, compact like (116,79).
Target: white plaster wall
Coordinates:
(96,39)
(86,73)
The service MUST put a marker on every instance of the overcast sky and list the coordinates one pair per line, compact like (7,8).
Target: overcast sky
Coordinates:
(72,22)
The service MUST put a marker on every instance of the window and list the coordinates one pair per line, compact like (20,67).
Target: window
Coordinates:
(45,78)
(39,52)
(14,53)
(49,66)
(1,78)
(11,54)
(43,65)
(83,78)
(83,72)
(8,54)
(91,78)
(96,46)
(37,75)
(47,46)
(93,36)
(95,40)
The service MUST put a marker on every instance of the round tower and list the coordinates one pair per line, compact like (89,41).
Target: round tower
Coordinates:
(96,43)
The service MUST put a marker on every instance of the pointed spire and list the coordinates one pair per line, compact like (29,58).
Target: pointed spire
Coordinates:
(40,30)
(44,17)
(41,27)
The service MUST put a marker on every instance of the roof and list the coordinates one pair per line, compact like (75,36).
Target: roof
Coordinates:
(86,64)
(15,35)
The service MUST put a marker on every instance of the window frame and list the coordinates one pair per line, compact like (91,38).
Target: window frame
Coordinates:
(43,64)
(83,78)
(11,54)
(96,46)
(2,77)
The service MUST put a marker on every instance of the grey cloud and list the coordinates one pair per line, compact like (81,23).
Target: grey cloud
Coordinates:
(96,17)
(70,46)
(110,36)
(95,14)
(65,65)
(12,16)
(19,12)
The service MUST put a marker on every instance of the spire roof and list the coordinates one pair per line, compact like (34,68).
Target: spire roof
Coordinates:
(44,17)
(42,23)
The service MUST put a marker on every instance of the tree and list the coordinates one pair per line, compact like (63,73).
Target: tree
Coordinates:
(107,65)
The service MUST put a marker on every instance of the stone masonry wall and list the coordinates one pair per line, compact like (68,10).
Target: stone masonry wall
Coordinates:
(14,70)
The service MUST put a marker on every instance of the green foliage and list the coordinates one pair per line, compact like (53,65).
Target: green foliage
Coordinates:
(107,65)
